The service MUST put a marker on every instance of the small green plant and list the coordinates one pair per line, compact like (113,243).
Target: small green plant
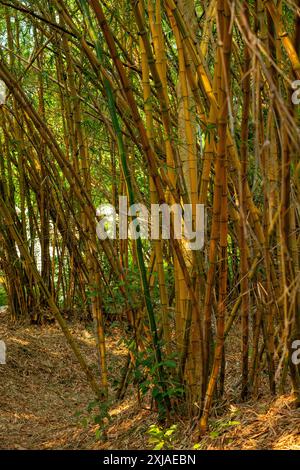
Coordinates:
(98,413)
(218,428)
(162,439)
(145,375)
(221,427)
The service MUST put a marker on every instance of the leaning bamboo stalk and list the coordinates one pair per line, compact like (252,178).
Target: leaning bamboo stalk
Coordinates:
(52,305)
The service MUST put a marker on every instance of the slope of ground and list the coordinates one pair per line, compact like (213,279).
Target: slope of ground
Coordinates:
(44,400)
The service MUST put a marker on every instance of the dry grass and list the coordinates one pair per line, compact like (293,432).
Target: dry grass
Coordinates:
(42,389)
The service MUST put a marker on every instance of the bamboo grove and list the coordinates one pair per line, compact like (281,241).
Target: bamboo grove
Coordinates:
(162,101)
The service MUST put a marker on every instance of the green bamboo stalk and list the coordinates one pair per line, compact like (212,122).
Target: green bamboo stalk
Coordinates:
(129,186)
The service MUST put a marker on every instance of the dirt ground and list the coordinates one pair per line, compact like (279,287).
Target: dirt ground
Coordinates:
(44,401)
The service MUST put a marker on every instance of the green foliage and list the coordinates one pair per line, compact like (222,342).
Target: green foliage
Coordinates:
(221,426)
(113,299)
(98,413)
(3,296)
(218,429)
(145,374)
(162,439)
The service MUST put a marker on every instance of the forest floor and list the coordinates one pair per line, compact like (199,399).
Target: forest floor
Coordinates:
(44,401)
